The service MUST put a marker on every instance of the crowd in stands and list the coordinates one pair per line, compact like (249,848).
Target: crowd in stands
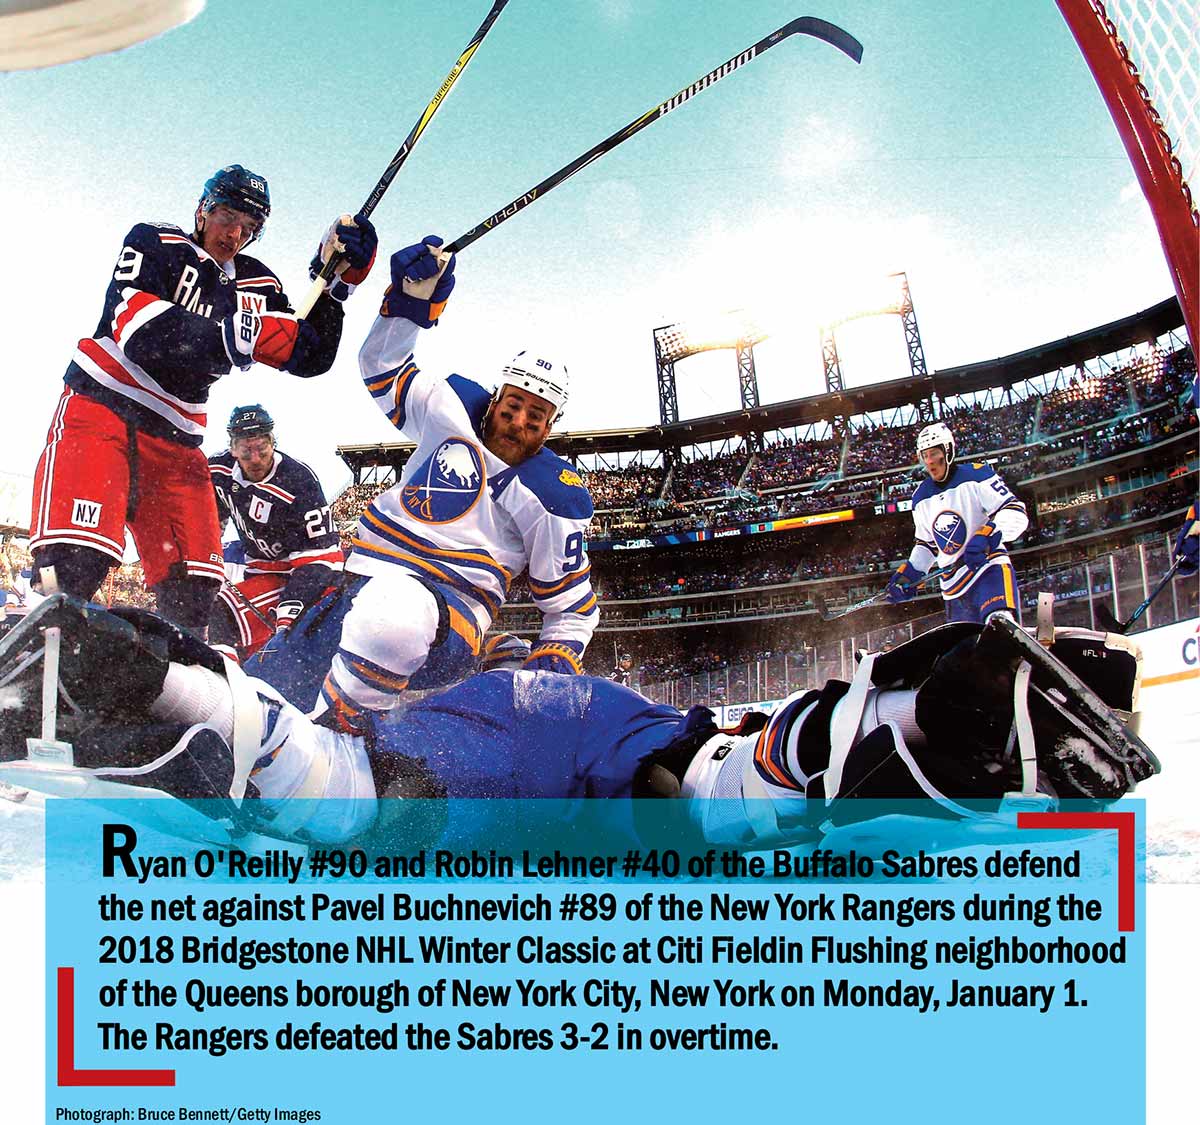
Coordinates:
(879,447)
(708,476)
(348,506)
(1133,432)
(623,488)
(125,585)
(786,461)
(1100,515)
(977,429)
(1086,400)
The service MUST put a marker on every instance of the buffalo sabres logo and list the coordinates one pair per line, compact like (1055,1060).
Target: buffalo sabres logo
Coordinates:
(949,532)
(447,484)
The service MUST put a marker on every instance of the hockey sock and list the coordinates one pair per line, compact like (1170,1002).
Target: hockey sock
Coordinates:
(900,707)
(192,694)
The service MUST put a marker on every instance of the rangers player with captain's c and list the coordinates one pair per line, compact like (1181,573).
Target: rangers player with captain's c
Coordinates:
(480,500)
(288,541)
(964,516)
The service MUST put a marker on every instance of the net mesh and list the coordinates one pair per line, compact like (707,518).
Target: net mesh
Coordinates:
(1158,40)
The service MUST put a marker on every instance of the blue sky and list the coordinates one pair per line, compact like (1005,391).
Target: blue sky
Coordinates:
(970,149)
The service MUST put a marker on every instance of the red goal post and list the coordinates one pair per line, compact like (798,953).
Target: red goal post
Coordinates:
(1143,55)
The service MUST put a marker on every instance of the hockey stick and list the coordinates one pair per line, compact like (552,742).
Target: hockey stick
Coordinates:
(1111,625)
(248,604)
(804,25)
(874,599)
(402,153)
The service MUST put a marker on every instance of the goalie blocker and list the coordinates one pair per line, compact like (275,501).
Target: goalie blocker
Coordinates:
(959,718)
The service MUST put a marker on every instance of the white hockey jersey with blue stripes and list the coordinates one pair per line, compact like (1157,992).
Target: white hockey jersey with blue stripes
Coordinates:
(463,517)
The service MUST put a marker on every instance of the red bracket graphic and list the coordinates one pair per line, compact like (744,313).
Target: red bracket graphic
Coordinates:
(67,1074)
(1126,825)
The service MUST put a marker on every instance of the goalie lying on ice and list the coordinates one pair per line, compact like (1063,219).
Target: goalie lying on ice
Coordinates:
(964,713)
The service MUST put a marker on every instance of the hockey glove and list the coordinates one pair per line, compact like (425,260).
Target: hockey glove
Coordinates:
(1187,546)
(903,584)
(286,614)
(253,335)
(429,285)
(554,656)
(503,650)
(979,546)
(355,239)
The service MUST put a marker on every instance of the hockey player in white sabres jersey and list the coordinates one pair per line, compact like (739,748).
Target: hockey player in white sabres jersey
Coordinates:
(481,500)
(964,516)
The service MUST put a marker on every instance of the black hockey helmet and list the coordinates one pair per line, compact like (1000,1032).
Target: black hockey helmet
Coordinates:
(250,421)
(241,189)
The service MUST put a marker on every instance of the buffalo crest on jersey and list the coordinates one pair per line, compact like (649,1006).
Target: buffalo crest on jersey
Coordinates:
(949,532)
(446,484)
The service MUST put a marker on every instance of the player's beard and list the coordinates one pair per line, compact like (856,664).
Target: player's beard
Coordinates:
(512,446)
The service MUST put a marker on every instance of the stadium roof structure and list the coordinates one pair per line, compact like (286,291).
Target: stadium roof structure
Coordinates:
(1002,372)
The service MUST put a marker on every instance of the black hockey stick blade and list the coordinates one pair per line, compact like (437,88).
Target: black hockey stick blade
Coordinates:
(402,153)
(803,25)
(1107,621)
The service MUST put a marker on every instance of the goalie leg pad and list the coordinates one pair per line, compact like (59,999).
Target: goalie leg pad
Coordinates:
(883,767)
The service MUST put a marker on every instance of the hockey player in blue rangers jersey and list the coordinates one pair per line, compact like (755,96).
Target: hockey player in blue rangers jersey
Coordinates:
(291,551)
(481,500)
(180,311)
(964,516)
(963,714)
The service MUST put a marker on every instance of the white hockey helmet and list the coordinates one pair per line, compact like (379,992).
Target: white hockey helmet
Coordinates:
(934,435)
(539,376)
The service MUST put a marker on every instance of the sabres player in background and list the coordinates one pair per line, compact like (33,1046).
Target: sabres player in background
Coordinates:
(181,311)
(481,499)
(289,544)
(964,516)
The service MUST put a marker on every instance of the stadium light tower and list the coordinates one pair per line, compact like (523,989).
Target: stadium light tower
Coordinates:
(730,330)
(890,296)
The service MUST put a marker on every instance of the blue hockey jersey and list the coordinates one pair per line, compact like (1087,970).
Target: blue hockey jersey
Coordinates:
(282,520)
(158,347)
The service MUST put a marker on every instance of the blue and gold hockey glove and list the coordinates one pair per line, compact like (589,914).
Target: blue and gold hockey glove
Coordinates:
(418,266)
(357,241)
(979,546)
(503,650)
(903,584)
(554,656)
